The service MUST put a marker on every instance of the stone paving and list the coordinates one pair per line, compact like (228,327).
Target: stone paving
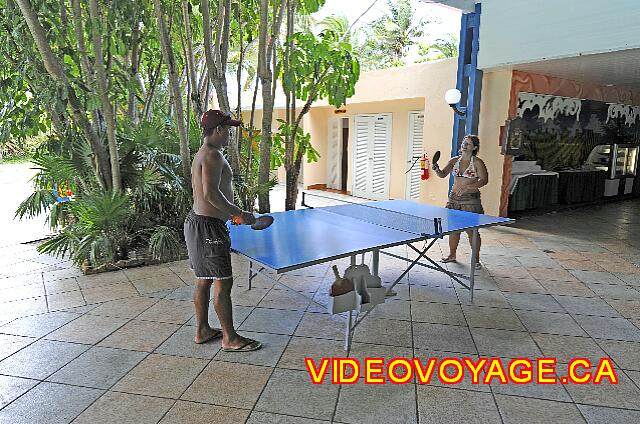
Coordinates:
(118,347)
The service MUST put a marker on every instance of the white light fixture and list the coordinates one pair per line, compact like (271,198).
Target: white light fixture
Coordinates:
(453,97)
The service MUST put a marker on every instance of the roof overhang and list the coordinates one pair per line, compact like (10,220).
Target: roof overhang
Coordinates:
(465,6)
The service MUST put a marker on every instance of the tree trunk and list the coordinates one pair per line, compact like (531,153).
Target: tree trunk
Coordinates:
(265,74)
(132,110)
(103,91)
(176,94)
(85,65)
(103,169)
(216,56)
(191,63)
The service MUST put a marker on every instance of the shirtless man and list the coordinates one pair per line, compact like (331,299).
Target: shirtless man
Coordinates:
(207,235)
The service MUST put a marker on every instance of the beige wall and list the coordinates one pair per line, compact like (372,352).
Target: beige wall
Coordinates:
(494,109)
(414,88)
(397,91)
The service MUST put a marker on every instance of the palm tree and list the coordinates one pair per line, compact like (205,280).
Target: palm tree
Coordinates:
(444,48)
(389,37)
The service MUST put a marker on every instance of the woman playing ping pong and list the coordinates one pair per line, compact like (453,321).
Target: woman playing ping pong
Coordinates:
(470,173)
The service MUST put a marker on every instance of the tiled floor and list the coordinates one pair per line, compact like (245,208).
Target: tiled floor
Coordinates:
(118,347)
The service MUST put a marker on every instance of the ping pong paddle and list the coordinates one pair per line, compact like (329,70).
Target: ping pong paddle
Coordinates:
(262,222)
(436,156)
(341,285)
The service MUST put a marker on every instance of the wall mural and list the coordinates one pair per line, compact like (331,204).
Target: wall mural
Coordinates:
(560,132)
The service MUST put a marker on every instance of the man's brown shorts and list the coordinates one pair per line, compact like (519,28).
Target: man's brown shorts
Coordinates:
(468,202)
(209,246)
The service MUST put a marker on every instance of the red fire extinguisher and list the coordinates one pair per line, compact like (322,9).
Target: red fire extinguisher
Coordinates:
(424,166)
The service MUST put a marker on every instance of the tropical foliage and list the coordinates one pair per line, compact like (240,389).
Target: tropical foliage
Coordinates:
(113,90)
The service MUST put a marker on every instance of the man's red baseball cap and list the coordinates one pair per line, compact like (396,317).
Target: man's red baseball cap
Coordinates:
(213,118)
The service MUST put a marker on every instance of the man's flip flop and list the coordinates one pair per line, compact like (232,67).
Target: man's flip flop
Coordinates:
(214,336)
(447,260)
(250,346)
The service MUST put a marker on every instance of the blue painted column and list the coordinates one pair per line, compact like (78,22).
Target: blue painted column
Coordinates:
(468,81)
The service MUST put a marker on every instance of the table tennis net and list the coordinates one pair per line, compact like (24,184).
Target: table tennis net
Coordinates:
(374,215)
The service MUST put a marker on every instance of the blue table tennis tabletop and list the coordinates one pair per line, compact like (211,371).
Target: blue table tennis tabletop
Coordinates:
(306,237)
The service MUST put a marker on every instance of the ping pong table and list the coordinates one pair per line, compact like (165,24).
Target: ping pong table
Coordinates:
(329,229)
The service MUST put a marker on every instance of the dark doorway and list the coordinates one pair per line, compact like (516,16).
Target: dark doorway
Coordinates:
(345,154)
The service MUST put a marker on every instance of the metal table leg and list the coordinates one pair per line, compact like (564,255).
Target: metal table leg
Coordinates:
(474,260)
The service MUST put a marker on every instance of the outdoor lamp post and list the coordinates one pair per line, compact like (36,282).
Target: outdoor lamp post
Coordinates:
(452,97)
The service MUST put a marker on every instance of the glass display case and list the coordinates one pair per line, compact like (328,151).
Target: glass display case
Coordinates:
(617,160)
(625,158)
(600,158)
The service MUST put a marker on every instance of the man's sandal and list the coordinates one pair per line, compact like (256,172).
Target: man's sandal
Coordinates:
(249,346)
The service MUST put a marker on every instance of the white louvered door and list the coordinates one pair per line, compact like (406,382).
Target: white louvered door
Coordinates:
(414,149)
(334,153)
(372,155)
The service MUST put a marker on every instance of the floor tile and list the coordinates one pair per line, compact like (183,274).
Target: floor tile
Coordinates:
(275,321)
(111,292)
(161,375)
(626,308)
(587,306)
(102,279)
(490,298)
(49,403)
(433,294)
(124,308)
(568,288)
(504,343)
(61,286)
(622,395)
(285,299)
(125,408)
(169,311)
(322,326)
(550,322)
(40,359)
(609,328)
(599,414)
(625,354)
(436,405)
(13,387)
(291,392)
(596,277)
(139,335)
(520,410)
(498,318)
(89,329)
(448,338)
(392,308)
(154,284)
(98,367)
(229,384)
(384,331)
(257,417)
(198,413)
(300,348)
(10,344)
(565,348)
(398,406)
(534,302)
(437,313)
